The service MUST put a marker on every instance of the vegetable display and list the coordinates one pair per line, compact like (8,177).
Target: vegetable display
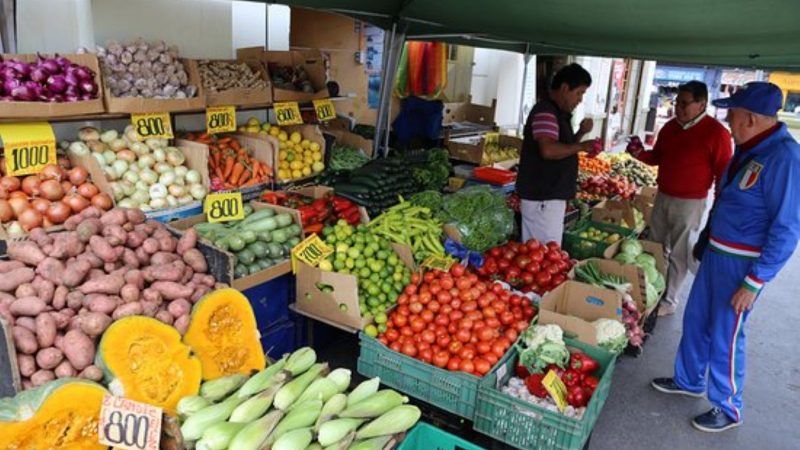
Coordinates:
(611,334)
(316,213)
(141,69)
(411,225)
(53,80)
(593,166)
(294,404)
(346,158)
(493,153)
(625,165)
(455,321)
(480,215)
(259,241)
(48,198)
(543,346)
(433,173)
(376,185)
(230,164)
(61,291)
(147,174)
(631,252)
(528,266)
(218,76)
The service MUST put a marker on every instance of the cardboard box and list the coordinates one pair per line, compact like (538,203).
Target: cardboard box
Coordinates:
(313,134)
(328,306)
(469,112)
(631,273)
(644,201)
(615,212)
(265,275)
(44,110)
(574,306)
(311,60)
(471,148)
(241,96)
(149,105)
(655,249)
(352,140)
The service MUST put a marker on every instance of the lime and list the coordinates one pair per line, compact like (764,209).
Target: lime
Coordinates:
(360,263)
(354,252)
(371,330)
(338,265)
(382,328)
(383,297)
(393,260)
(325,265)
(375,278)
(373,301)
(382,254)
(397,276)
(350,263)
(374,290)
(369,251)
(363,271)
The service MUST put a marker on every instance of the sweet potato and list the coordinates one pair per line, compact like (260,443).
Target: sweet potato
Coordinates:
(6,298)
(135,216)
(128,309)
(47,248)
(100,303)
(115,235)
(114,217)
(199,292)
(76,273)
(40,236)
(102,248)
(24,340)
(160,258)
(11,280)
(59,342)
(26,322)
(91,373)
(71,224)
(75,300)
(25,251)
(188,273)
(8,266)
(144,257)
(129,293)
(187,241)
(28,306)
(67,312)
(93,324)
(25,290)
(60,297)
(150,245)
(107,284)
(65,245)
(165,317)
(65,370)
(88,228)
(52,269)
(62,318)
(78,349)
(170,290)
(96,273)
(152,295)
(92,212)
(150,309)
(27,364)
(110,267)
(182,324)
(167,244)
(165,272)
(134,239)
(130,259)
(49,358)
(45,330)
(41,377)
(94,261)
(5,314)
(134,277)
(195,260)
(44,289)
(179,307)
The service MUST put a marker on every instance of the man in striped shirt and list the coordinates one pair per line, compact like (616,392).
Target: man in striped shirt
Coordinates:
(548,170)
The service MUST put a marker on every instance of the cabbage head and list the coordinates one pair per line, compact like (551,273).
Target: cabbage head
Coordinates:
(625,258)
(645,259)
(658,282)
(652,296)
(631,247)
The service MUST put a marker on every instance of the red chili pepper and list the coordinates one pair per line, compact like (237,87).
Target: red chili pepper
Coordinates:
(571,378)
(583,363)
(534,384)
(272,197)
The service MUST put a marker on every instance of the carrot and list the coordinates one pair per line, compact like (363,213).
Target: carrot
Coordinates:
(236,172)
(244,177)
(226,171)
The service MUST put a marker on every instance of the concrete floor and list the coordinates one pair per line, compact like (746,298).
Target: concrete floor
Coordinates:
(637,417)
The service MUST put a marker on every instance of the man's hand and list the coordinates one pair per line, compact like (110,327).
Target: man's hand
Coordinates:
(743,300)
(585,126)
(587,145)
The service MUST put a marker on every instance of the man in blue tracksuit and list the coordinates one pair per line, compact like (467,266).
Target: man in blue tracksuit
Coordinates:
(753,230)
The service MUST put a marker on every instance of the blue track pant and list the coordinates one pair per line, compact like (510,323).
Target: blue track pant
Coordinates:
(713,334)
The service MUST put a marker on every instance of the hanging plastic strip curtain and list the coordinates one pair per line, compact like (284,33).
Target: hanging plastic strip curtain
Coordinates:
(422,71)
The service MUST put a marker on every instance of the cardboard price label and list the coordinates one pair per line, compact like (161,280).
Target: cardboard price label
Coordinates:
(220,119)
(438,263)
(324,109)
(153,125)
(28,147)
(130,425)
(556,388)
(288,113)
(224,207)
(311,251)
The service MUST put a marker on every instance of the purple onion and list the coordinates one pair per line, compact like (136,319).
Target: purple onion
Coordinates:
(88,87)
(9,73)
(71,91)
(24,69)
(63,62)
(22,93)
(49,65)
(87,97)
(57,98)
(83,73)
(38,75)
(56,84)
(10,84)
(72,79)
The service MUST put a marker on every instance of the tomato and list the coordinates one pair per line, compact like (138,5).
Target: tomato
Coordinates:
(466,295)
(427,316)
(428,277)
(543,279)
(515,300)
(446,283)
(475,293)
(511,334)
(534,267)
(563,265)
(495,252)
(499,349)
(482,366)
(440,330)
(456,303)
(415,308)
(403,310)
(493,323)
(396,346)
(553,245)
(454,347)
(507,318)
(444,297)
(508,255)
(553,255)
(440,359)
(489,313)
(409,349)
(497,288)
(558,279)
(522,261)
(452,327)
(466,365)
(483,347)
(479,324)
(426,355)
(383,340)
(486,334)
(434,306)
(466,352)
(537,255)
(400,321)
(503,265)
(417,325)
(411,289)
(469,306)
(520,326)
(465,324)
(553,269)
(415,278)
(528,312)
(484,301)
(533,244)
(442,319)
(446,309)
(456,315)
(492,358)
(499,306)
(517,311)
(392,334)
(453,363)
(422,345)
(402,299)
(463,335)
(457,270)
(527,278)
(428,336)
(443,341)
(462,284)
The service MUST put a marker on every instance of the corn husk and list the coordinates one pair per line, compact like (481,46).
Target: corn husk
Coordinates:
(294,440)
(335,430)
(263,379)
(376,404)
(292,390)
(194,427)
(341,377)
(321,388)
(191,404)
(216,390)
(303,415)
(255,433)
(331,409)
(377,443)
(300,361)
(363,390)
(219,435)
(399,419)
(255,407)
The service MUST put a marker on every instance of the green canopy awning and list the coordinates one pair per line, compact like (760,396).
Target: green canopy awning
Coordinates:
(743,33)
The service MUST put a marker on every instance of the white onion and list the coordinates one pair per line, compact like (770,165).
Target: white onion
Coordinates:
(167,178)
(100,159)
(141,185)
(158,191)
(158,203)
(162,167)
(198,191)
(179,181)
(159,154)
(140,196)
(176,190)
(145,161)
(127,188)
(118,144)
(193,176)
(140,148)
(132,167)
(155,143)
(172,201)
(148,176)
(130,176)
(180,171)
(185,200)
(120,167)
(132,135)
(109,136)
(14,229)
(127,203)
(109,156)
(117,190)
(79,148)
(111,173)
(175,156)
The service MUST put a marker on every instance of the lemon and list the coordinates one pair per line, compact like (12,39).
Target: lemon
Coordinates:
(274,131)
(318,166)
(266,126)
(297,174)
(263,133)
(308,160)
(314,147)
(283,165)
(296,165)
(254,130)
(296,137)
(306,143)
(253,122)
(316,157)
(306,171)
(282,145)
(242,129)
(282,136)
(282,155)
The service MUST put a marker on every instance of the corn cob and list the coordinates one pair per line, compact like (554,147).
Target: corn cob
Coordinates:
(321,388)
(218,389)
(314,446)
(254,434)
(292,390)
(332,407)
(191,404)
(375,405)
(197,423)
(262,379)
(341,377)
(300,361)
(255,407)
(377,443)
(363,390)
(399,419)
(294,440)
(219,435)
(301,415)
(334,430)
(343,443)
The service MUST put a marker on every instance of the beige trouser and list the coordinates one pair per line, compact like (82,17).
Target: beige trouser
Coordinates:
(675,223)
(543,220)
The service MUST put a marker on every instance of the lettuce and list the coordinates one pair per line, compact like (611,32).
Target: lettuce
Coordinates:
(645,259)
(625,258)
(631,247)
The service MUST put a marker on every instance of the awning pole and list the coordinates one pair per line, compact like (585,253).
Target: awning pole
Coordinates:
(526,58)
(393,48)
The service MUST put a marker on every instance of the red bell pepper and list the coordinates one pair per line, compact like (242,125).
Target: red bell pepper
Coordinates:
(590,382)
(558,370)
(521,372)
(320,204)
(576,396)
(535,386)
(313,228)
(341,204)
(308,215)
(571,378)
(583,363)
(274,198)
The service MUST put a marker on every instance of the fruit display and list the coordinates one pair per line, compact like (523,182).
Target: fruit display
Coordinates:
(455,321)
(604,187)
(53,79)
(530,266)
(298,157)
(219,76)
(381,273)
(148,174)
(48,198)
(294,404)
(639,173)
(494,153)
(593,166)
(594,234)
(413,226)
(231,165)
(346,158)
(259,241)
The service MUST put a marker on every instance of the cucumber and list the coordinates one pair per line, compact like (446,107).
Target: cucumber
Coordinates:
(256,216)
(292,242)
(259,249)
(294,230)
(249,236)
(245,257)
(254,268)
(235,242)
(240,270)
(275,251)
(264,263)
(264,224)
(283,219)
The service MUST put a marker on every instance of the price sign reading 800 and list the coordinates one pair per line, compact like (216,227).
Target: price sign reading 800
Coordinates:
(224,207)
(220,119)
(127,424)
(153,125)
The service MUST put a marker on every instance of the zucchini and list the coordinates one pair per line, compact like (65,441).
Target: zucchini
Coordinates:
(245,257)
(254,268)
(249,236)
(240,270)
(283,220)
(275,251)
(256,216)
(235,242)
(259,249)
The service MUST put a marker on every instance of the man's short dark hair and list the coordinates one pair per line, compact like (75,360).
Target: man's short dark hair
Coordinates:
(573,75)
(698,89)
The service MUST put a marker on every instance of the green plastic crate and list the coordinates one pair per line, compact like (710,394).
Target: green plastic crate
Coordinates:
(455,392)
(428,437)
(583,248)
(527,426)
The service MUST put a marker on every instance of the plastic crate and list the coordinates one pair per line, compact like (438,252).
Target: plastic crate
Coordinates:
(455,392)
(428,437)
(500,177)
(527,426)
(270,301)
(584,248)
(278,340)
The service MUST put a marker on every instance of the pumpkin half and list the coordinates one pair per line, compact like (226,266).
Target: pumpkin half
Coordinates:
(223,334)
(63,413)
(144,360)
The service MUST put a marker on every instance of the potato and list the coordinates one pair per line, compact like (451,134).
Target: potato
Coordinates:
(60,297)
(100,303)
(52,269)
(94,261)
(187,241)
(27,252)
(5,314)
(24,340)
(88,228)
(130,259)
(25,290)
(188,273)
(96,273)
(66,312)
(78,349)
(62,318)
(42,377)
(11,280)
(59,342)
(167,244)
(152,295)
(135,216)
(26,322)
(91,373)
(26,384)
(161,258)
(110,267)
(46,330)
(170,290)
(128,309)
(115,235)
(165,317)
(150,309)
(65,370)
(65,245)
(179,307)
(134,277)
(106,284)
(102,248)
(129,293)
(114,217)
(8,266)
(26,364)
(134,239)
(94,324)
(28,306)
(144,257)
(92,212)
(7,299)
(165,272)
(49,358)
(150,245)
(75,300)
(40,236)
(44,289)
(182,324)
(195,260)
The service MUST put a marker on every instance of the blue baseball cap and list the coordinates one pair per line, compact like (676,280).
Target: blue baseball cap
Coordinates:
(759,97)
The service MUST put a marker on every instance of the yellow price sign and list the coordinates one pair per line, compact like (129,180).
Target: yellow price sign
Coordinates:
(492,138)
(311,251)
(224,207)
(438,263)
(556,388)
(220,119)
(28,147)
(153,125)
(288,113)
(324,109)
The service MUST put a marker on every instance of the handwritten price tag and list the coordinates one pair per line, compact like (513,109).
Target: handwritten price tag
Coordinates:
(324,109)
(224,207)
(153,125)
(28,147)
(127,424)
(311,251)
(220,119)
(288,113)
(438,263)
(556,388)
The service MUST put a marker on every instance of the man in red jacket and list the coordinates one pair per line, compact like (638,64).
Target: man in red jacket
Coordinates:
(691,152)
